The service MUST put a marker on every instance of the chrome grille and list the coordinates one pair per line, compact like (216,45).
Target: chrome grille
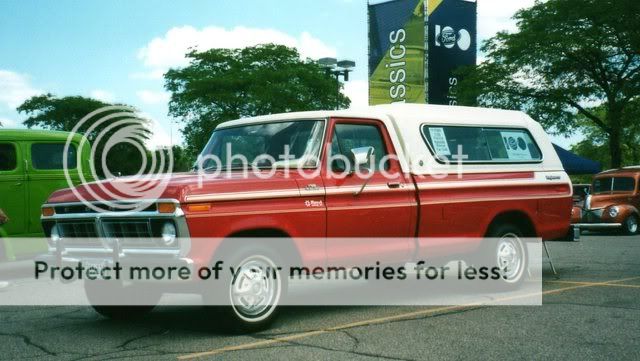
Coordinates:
(127,229)
(129,233)
(79,234)
(78,229)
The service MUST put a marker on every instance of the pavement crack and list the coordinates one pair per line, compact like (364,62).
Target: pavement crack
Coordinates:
(138,338)
(356,341)
(326,348)
(27,340)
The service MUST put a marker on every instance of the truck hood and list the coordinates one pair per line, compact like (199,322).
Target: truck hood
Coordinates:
(184,187)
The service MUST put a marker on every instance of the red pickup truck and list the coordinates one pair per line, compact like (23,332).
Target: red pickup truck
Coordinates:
(439,172)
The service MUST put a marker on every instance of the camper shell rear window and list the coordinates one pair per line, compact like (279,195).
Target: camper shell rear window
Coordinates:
(481,144)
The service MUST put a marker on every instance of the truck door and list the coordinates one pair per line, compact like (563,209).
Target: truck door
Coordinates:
(381,215)
(46,175)
(12,194)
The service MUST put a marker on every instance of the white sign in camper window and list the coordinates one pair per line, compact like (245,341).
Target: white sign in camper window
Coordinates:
(439,141)
(516,145)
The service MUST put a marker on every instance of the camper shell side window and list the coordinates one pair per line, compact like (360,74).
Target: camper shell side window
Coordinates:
(478,144)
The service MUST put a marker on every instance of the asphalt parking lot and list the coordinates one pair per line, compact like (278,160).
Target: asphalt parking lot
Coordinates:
(591,311)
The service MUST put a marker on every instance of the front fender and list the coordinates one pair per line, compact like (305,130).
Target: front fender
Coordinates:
(625,211)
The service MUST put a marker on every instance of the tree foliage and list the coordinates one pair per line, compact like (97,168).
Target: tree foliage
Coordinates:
(567,58)
(54,113)
(224,84)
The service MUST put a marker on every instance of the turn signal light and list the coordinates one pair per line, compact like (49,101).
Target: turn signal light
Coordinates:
(166,207)
(199,207)
(48,211)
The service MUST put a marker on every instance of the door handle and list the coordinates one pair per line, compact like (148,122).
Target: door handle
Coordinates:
(393,185)
(17,184)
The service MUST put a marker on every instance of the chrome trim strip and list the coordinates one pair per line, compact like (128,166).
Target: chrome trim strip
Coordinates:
(291,193)
(237,196)
(493,199)
(485,184)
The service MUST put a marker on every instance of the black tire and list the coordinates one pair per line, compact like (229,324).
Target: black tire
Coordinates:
(234,318)
(630,225)
(123,312)
(507,237)
(102,294)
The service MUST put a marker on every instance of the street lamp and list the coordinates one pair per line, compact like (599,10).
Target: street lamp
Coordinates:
(336,68)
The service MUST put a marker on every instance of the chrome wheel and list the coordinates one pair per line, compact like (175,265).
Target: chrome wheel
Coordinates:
(510,257)
(255,289)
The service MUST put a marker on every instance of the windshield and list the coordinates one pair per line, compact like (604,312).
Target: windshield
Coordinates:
(615,184)
(283,144)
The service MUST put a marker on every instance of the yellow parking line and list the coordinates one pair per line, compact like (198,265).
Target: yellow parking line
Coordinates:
(379,320)
(596,284)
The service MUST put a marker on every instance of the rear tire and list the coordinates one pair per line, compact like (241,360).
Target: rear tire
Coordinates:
(630,225)
(507,251)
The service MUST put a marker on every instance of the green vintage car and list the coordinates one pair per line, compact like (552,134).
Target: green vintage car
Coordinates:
(31,168)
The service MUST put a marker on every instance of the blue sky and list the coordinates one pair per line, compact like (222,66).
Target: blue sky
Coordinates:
(117,50)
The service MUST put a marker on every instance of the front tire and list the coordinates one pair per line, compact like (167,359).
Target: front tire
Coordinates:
(249,299)
(109,299)
(630,225)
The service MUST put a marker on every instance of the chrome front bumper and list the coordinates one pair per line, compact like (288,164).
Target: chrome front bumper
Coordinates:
(597,225)
(593,219)
(103,245)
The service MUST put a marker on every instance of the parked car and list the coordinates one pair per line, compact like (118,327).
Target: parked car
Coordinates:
(613,202)
(30,170)
(580,193)
(512,185)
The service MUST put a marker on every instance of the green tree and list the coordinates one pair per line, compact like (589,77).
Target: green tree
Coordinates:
(224,84)
(596,144)
(54,113)
(567,58)
(181,161)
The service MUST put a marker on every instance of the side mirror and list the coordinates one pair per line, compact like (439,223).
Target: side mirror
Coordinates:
(361,156)
(587,191)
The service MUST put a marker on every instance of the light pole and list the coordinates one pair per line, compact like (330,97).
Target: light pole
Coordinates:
(336,68)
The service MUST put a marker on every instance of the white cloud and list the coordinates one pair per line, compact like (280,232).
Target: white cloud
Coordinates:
(495,15)
(168,51)
(159,136)
(153,97)
(502,8)
(15,89)
(8,123)
(358,92)
(103,95)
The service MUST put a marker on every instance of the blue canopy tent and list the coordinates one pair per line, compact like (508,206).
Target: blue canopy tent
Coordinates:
(574,164)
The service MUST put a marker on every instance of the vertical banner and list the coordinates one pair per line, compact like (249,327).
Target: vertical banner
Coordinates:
(397,42)
(452,31)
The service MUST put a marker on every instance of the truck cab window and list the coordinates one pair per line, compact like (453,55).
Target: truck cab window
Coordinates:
(8,158)
(350,136)
(48,156)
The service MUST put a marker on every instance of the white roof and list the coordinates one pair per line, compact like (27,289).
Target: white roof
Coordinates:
(406,120)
